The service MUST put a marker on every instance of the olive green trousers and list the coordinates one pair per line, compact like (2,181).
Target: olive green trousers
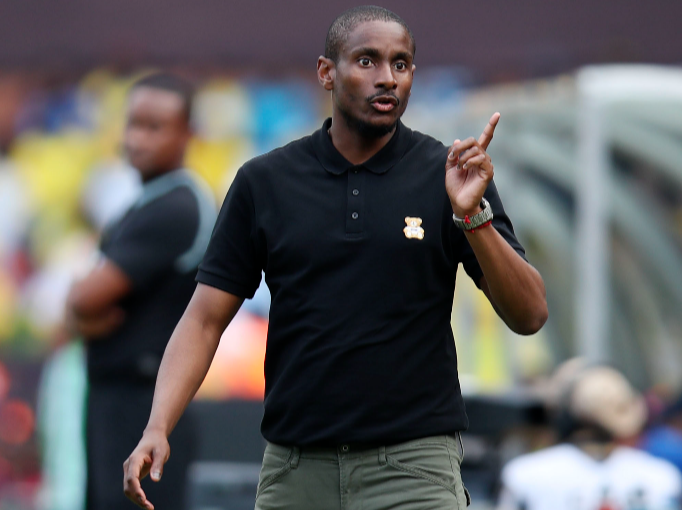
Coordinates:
(422,474)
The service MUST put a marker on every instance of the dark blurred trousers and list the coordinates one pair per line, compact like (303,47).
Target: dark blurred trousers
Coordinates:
(117,413)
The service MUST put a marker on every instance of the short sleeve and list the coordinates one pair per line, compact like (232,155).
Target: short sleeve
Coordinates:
(233,262)
(502,224)
(149,240)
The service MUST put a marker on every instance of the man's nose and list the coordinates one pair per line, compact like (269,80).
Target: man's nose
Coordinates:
(136,136)
(385,77)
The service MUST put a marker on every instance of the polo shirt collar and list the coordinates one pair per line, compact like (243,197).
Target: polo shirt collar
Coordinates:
(160,185)
(389,155)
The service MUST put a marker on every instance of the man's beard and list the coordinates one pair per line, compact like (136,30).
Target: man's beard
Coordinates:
(365,129)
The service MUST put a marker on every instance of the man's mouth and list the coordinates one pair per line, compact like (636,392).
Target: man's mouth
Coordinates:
(384,103)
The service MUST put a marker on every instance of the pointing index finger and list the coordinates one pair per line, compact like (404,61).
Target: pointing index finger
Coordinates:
(487,135)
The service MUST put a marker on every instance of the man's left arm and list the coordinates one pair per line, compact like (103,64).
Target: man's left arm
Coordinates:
(143,251)
(513,286)
(92,309)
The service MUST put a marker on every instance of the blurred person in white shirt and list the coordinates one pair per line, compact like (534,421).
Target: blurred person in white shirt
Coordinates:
(597,412)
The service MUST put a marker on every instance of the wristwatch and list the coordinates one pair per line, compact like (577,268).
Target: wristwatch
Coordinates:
(475,221)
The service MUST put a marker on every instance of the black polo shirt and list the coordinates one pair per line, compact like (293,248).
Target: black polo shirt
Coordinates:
(158,244)
(360,347)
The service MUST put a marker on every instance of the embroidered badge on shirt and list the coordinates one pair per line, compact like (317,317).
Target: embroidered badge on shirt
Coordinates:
(413,230)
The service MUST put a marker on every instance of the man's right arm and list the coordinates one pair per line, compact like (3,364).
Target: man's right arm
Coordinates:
(185,363)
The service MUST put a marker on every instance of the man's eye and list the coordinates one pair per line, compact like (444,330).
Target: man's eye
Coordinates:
(365,62)
(400,66)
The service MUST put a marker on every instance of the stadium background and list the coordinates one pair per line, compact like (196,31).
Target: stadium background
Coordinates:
(64,70)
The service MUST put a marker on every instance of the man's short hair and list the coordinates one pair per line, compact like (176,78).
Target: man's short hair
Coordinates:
(346,22)
(170,83)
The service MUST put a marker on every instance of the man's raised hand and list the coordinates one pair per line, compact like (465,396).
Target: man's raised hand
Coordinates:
(469,170)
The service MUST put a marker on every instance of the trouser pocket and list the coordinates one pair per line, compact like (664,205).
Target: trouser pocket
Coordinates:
(435,460)
(277,462)
(463,498)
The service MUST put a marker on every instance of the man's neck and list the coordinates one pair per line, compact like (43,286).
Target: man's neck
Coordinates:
(352,145)
(597,450)
(159,173)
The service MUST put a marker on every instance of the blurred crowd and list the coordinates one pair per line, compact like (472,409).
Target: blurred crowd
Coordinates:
(62,179)
(62,176)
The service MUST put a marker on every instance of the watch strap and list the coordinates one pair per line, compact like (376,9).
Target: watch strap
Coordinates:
(477,220)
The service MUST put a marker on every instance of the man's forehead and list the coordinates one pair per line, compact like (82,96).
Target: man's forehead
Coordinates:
(156,97)
(378,35)
(158,94)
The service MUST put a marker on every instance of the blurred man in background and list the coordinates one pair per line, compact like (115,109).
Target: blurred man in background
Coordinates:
(597,412)
(127,307)
(354,229)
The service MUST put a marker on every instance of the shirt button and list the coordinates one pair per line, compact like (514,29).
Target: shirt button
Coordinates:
(345,448)
(354,216)
(355,171)
(356,192)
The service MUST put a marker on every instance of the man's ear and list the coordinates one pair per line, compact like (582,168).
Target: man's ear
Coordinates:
(326,72)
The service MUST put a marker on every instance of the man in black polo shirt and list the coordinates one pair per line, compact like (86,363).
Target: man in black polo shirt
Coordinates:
(354,229)
(127,307)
